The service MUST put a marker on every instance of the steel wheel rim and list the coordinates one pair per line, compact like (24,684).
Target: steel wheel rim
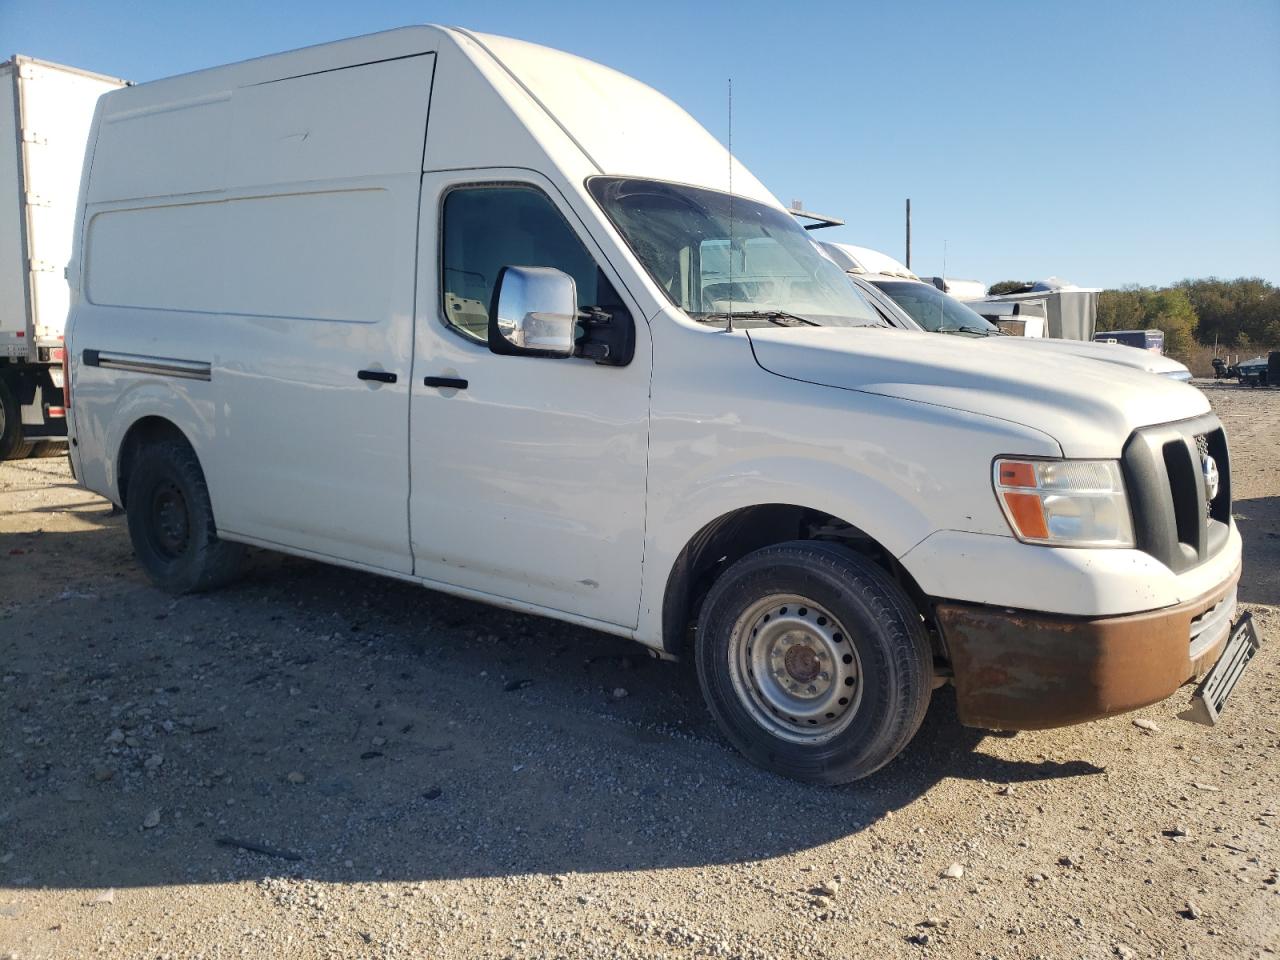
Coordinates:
(795,669)
(170,521)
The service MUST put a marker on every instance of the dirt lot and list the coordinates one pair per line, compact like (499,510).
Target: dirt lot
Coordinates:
(428,777)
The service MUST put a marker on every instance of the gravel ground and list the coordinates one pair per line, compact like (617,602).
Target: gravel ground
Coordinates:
(320,763)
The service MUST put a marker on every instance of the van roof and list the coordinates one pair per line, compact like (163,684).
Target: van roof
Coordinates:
(620,126)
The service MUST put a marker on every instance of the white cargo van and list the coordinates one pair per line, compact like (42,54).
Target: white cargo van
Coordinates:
(486,317)
(45,113)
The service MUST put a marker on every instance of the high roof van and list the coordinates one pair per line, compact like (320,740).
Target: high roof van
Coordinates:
(508,324)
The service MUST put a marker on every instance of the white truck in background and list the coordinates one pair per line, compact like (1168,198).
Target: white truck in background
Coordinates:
(928,307)
(45,113)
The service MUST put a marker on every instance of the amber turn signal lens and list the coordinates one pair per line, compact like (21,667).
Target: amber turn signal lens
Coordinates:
(1027,512)
(1014,473)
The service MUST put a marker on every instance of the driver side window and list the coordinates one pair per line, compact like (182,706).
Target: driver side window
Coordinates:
(486,228)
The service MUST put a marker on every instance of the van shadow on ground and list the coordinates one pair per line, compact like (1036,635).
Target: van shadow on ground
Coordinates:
(435,737)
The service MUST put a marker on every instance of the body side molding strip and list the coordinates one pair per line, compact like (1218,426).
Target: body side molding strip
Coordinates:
(138,363)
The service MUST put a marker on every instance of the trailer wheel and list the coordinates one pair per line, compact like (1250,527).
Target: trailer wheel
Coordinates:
(12,444)
(814,663)
(171,522)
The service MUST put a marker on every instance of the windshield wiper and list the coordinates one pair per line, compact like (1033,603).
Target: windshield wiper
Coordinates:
(779,317)
(985,333)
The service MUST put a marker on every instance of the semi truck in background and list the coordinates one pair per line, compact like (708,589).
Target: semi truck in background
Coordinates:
(45,113)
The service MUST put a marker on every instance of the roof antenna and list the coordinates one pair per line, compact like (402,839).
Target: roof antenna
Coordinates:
(729,328)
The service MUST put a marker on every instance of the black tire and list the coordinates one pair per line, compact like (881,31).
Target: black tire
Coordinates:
(48,448)
(894,664)
(12,444)
(171,522)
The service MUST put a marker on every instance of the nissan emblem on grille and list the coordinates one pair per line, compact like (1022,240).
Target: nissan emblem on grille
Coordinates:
(1210,468)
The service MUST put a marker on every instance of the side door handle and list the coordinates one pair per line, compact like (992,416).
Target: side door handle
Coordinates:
(454,383)
(381,376)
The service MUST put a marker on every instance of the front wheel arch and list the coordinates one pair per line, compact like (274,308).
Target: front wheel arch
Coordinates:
(731,536)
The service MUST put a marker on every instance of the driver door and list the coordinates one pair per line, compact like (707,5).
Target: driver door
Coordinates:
(527,473)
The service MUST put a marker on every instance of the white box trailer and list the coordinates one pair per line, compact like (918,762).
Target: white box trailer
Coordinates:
(46,111)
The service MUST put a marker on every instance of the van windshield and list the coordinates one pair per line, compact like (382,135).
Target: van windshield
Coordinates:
(717,255)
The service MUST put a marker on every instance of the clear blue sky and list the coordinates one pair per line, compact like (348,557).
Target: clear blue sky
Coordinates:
(1105,142)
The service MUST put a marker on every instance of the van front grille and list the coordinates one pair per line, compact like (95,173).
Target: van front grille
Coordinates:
(1166,471)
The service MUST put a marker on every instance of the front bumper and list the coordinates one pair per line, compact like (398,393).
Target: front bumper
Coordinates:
(997,571)
(1022,670)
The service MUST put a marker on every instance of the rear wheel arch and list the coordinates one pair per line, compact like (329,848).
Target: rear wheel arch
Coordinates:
(144,432)
(733,535)
(169,513)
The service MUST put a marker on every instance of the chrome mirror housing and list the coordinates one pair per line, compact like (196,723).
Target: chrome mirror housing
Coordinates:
(534,312)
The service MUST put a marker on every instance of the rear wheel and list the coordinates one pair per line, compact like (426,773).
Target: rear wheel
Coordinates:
(171,522)
(814,663)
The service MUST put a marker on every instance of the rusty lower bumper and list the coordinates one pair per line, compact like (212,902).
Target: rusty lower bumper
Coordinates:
(1019,670)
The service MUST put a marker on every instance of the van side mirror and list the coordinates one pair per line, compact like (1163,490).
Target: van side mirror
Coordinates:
(534,312)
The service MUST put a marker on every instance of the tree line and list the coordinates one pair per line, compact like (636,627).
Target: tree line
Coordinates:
(1239,315)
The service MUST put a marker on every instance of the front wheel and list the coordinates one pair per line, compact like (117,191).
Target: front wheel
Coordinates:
(814,663)
(171,522)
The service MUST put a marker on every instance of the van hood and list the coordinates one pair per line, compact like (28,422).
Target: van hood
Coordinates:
(1089,408)
(1145,360)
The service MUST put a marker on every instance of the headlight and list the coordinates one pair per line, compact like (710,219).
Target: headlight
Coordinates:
(1065,503)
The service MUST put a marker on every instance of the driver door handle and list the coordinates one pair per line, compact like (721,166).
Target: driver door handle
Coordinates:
(455,383)
(381,376)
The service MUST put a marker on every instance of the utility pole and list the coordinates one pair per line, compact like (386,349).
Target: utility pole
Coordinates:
(908,233)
